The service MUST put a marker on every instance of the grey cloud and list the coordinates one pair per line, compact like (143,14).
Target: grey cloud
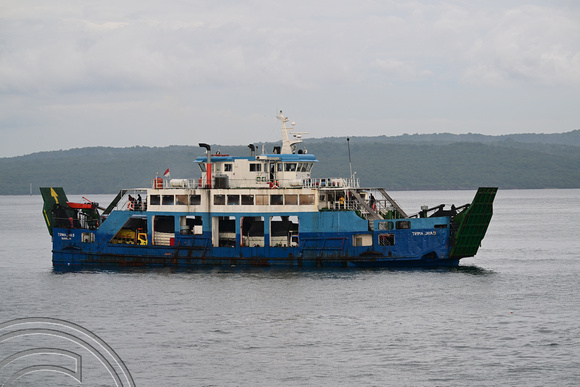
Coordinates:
(118,64)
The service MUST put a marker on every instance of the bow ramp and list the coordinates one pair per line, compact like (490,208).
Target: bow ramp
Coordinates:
(54,200)
(472,224)
(59,212)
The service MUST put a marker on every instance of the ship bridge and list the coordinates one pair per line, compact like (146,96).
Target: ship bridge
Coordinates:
(262,171)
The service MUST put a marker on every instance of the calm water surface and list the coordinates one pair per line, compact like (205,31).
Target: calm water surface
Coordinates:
(510,316)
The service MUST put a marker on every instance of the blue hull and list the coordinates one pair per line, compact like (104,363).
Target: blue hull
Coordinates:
(423,245)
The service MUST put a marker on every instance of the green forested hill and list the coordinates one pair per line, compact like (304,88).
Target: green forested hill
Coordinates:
(396,163)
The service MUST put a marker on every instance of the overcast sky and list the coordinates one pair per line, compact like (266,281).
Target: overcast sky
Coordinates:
(77,73)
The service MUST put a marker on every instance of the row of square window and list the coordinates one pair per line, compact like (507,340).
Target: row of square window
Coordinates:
(287,167)
(232,200)
(401,225)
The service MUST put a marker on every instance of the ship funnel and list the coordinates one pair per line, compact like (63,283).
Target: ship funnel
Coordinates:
(252,150)
(208,150)
(208,167)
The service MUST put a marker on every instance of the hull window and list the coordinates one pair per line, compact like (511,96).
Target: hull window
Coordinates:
(403,225)
(88,237)
(362,240)
(386,239)
(386,226)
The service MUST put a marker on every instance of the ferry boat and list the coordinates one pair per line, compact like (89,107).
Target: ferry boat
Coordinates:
(262,209)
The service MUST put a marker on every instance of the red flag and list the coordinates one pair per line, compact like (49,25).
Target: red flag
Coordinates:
(166,174)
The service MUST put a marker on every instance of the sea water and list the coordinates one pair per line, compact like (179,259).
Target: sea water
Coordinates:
(509,316)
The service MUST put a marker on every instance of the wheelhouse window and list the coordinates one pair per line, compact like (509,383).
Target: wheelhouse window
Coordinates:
(168,200)
(228,167)
(255,167)
(290,167)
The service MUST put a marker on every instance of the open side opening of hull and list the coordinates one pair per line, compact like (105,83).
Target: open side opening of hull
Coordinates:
(163,230)
(252,231)
(284,231)
(133,232)
(224,231)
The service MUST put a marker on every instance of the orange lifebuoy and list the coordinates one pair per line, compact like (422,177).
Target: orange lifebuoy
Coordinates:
(130,206)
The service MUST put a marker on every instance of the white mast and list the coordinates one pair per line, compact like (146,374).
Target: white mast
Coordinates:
(289,146)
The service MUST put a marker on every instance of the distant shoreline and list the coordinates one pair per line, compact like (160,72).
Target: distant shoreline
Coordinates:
(401,163)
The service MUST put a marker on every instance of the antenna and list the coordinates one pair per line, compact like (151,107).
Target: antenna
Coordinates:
(349,162)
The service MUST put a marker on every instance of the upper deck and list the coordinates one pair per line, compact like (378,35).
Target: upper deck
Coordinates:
(287,166)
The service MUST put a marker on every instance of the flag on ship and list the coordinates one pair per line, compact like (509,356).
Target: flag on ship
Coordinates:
(166,174)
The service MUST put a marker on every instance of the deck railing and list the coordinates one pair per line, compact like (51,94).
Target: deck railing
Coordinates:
(259,182)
